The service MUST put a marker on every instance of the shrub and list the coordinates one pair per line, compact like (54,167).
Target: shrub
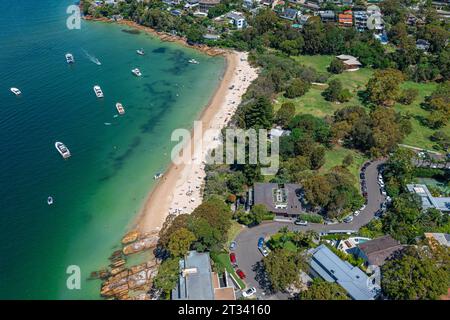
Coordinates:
(336,66)
(297,88)
(310,218)
(408,96)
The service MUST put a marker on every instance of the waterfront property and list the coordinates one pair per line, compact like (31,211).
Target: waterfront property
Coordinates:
(428,201)
(377,251)
(197,281)
(280,199)
(237,19)
(328,266)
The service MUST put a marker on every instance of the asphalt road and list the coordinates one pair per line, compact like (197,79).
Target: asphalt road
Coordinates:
(249,257)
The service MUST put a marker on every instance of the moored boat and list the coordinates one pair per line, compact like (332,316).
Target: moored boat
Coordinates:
(69,58)
(50,200)
(62,149)
(140,52)
(157,176)
(136,72)
(16,91)
(120,108)
(98,91)
(193,61)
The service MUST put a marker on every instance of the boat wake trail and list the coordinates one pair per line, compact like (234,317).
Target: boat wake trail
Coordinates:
(92,58)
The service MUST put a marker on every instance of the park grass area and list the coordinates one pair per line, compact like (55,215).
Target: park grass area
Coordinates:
(314,103)
(420,135)
(335,156)
(224,260)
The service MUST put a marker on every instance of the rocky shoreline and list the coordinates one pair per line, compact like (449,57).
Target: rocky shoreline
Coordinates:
(121,282)
(163,36)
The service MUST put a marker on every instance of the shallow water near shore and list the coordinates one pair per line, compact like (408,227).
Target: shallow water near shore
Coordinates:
(100,189)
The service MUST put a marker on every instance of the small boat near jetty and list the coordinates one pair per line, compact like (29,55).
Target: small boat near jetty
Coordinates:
(120,108)
(50,200)
(140,52)
(16,91)
(193,61)
(69,58)
(62,149)
(157,176)
(136,72)
(98,91)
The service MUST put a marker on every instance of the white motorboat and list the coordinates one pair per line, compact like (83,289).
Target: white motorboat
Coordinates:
(140,52)
(98,91)
(136,72)
(157,176)
(50,200)
(16,91)
(62,149)
(193,61)
(120,108)
(69,58)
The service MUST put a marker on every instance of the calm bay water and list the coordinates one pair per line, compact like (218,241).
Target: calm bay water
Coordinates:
(99,190)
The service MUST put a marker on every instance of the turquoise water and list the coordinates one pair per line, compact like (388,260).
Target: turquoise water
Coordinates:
(99,190)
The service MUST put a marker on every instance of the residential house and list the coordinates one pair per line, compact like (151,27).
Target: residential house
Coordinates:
(197,281)
(327,16)
(377,251)
(281,199)
(360,20)
(328,266)
(289,14)
(428,201)
(350,62)
(442,238)
(422,44)
(237,19)
(278,132)
(205,5)
(345,19)
(191,4)
(250,4)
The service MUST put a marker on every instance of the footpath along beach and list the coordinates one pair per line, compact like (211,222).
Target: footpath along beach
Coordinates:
(180,189)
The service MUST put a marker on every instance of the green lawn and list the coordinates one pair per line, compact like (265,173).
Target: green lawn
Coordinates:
(224,259)
(235,229)
(335,156)
(313,102)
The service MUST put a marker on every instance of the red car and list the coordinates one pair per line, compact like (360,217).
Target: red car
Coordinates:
(233,258)
(240,273)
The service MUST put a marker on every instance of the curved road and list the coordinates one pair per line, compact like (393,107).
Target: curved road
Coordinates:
(248,256)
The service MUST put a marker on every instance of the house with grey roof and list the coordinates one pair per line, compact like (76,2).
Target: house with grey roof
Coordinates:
(377,251)
(428,201)
(328,266)
(289,14)
(281,199)
(197,281)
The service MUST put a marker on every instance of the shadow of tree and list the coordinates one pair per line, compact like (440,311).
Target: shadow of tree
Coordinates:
(262,278)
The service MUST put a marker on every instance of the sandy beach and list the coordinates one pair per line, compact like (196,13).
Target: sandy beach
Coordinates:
(180,189)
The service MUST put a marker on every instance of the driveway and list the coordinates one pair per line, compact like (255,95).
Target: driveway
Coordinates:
(247,253)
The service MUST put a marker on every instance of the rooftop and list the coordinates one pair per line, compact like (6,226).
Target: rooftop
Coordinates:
(332,269)
(195,280)
(380,249)
(279,198)
(428,201)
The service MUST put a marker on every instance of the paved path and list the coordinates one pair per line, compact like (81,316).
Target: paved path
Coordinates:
(247,253)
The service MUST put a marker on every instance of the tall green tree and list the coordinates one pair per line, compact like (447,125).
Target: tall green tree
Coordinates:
(322,290)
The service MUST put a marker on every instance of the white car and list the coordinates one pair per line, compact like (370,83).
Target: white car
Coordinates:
(356,213)
(249,292)
(383,192)
(301,222)
(362,208)
(348,219)
(264,251)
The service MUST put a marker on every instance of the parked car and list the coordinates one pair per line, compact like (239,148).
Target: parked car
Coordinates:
(383,192)
(362,208)
(260,242)
(240,273)
(356,213)
(249,292)
(263,251)
(233,258)
(299,222)
(348,219)
(233,245)
(365,194)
